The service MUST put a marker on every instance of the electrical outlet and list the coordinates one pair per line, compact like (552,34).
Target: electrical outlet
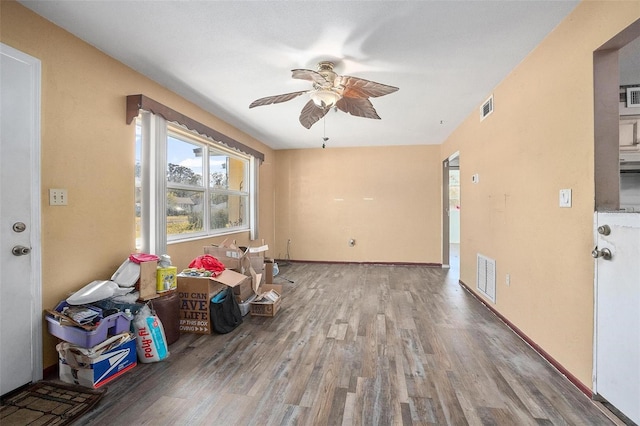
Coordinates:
(57,197)
(508,280)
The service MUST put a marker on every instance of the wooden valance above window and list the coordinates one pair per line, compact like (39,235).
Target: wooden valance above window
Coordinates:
(135,103)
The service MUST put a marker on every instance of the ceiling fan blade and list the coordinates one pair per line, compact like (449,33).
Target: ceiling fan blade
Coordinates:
(360,107)
(311,113)
(276,99)
(355,87)
(310,75)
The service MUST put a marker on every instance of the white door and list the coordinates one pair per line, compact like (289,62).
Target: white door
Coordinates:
(617,352)
(20,277)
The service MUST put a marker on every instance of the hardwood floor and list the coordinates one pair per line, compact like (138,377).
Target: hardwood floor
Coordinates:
(353,345)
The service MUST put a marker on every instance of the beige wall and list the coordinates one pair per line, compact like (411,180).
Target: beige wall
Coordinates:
(88,149)
(386,198)
(539,140)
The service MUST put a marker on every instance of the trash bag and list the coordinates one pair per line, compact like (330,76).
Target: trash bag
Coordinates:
(225,312)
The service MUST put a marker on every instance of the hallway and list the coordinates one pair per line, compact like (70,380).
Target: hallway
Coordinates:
(353,345)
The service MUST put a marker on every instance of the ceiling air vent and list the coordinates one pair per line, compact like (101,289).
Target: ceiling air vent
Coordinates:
(633,97)
(486,108)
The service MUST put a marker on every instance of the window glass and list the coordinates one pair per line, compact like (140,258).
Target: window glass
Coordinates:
(229,211)
(184,162)
(228,182)
(227,172)
(238,174)
(184,212)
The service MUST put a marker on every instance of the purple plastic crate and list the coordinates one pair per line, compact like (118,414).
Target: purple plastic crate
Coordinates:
(109,326)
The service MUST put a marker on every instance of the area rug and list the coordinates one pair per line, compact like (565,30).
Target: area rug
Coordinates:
(47,403)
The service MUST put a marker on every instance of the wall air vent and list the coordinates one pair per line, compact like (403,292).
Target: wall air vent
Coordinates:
(486,277)
(486,108)
(633,97)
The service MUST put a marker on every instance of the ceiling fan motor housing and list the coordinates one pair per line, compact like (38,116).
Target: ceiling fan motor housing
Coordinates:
(325,69)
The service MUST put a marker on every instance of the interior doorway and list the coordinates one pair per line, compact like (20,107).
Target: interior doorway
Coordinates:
(454,212)
(451,213)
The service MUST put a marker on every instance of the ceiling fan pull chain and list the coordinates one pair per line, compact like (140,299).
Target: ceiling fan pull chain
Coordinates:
(324,138)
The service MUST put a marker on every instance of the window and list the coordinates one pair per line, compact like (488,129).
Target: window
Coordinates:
(204,206)
(188,186)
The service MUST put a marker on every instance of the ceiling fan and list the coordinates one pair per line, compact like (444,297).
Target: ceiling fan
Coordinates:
(348,94)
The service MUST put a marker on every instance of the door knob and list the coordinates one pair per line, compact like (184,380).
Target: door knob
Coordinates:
(605,253)
(20,250)
(604,230)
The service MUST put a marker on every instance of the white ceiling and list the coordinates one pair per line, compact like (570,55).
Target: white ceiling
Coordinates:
(445,56)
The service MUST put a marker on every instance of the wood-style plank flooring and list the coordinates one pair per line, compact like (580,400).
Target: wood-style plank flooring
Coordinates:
(353,345)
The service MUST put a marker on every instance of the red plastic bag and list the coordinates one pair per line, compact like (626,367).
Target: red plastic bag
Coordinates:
(208,262)
(142,257)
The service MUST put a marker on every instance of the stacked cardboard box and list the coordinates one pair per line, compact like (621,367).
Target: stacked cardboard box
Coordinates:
(245,276)
(268,295)
(96,367)
(195,295)
(228,253)
(241,260)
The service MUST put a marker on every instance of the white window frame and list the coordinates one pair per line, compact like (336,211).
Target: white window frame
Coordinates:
(153,180)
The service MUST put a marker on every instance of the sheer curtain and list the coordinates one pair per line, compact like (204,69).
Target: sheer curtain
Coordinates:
(154,184)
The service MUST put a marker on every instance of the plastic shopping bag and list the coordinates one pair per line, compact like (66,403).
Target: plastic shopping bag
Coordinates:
(151,342)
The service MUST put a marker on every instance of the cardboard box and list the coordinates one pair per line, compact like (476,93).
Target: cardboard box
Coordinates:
(255,257)
(265,306)
(244,290)
(239,259)
(79,369)
(195,295)
(166,279)
(147,282)
(227,253)
(268,271)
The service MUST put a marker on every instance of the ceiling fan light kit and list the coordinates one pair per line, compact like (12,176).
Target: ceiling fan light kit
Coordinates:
(346,93)
(325,98)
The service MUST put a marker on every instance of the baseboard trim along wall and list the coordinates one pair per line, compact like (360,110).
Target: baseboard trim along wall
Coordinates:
(573,379)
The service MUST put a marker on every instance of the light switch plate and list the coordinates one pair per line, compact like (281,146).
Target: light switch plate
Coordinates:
(565,198)
(57,197)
